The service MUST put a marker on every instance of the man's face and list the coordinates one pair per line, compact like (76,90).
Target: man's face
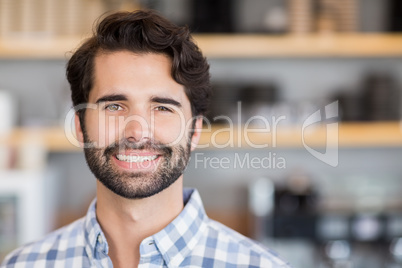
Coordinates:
(139,124)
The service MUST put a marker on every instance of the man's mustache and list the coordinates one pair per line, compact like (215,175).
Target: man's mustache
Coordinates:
(149,145)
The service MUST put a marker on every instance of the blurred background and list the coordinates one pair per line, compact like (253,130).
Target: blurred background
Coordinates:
(282,60)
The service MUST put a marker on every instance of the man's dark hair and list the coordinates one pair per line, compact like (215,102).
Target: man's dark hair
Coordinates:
(142,31)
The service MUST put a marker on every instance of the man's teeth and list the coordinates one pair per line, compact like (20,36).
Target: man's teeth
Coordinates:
(135,158)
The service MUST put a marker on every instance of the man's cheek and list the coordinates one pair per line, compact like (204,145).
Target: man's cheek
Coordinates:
(106,131)
(114,132)
(169,132)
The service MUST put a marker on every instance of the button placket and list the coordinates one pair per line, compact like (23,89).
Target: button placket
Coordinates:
(100,239)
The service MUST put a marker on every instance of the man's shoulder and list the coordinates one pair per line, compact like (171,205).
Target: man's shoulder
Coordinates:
(246,251)
(65,242)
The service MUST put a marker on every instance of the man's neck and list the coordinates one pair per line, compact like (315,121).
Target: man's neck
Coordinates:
(127,222)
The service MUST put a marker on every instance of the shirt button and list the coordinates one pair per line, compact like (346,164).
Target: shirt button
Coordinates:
(100,240)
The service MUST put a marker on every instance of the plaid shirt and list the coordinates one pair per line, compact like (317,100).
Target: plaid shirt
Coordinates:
(190,240)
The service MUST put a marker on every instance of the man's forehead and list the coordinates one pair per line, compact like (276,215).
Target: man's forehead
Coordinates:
(101,54)
(160,80)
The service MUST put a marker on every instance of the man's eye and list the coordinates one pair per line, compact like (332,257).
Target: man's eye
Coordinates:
(113,107)
(163,109)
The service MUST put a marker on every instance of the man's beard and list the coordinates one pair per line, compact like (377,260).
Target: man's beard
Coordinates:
(136,184)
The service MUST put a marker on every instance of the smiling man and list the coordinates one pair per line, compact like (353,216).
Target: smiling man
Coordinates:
(145,86)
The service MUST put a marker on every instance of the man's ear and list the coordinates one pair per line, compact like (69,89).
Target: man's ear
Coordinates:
(78,129)
(197,132)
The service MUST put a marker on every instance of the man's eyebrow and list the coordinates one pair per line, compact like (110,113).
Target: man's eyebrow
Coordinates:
(112,97)
(165,100)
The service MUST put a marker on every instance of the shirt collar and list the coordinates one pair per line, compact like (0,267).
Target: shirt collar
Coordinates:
(174,242)
(95,239)
(180,237)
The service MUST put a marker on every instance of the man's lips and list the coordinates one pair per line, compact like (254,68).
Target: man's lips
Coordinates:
(136,158)
(139,161)
(138,165)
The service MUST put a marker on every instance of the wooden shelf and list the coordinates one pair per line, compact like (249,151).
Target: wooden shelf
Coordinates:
(351,135)
(53,139)
(229,46)
(374,134)
(38,47)
(324,45)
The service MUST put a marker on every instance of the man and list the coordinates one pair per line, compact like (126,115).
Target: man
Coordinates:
(140,87)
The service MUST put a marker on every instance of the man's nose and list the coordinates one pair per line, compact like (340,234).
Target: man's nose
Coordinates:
(137,127)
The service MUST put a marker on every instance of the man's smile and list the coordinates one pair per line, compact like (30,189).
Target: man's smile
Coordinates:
(135,158)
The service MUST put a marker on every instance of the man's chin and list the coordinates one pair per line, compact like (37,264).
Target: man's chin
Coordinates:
(135,192)
(137,174)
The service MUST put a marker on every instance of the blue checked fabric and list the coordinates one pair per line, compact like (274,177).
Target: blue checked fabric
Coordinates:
(190,240)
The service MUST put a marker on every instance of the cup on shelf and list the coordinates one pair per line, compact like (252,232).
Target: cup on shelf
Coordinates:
(7,112)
